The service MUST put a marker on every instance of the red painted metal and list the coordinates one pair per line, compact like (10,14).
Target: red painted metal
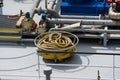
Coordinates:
(116,1)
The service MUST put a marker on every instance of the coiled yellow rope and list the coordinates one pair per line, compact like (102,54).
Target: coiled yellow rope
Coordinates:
(56,41)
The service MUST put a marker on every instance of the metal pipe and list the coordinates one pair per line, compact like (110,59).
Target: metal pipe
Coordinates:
(112,14)
(87,30)
(50,9)
(53,13)
(57,5)
(80,17)
(76,25)
(21,40)
(105,36)
(46,4)
(51,4)
(35,5)
(84,22)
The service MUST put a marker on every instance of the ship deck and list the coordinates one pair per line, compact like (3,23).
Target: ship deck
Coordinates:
(20,61)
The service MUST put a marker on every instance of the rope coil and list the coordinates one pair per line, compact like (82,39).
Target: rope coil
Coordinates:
(53,42)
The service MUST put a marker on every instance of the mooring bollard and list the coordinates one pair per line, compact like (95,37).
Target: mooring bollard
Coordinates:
(47,72)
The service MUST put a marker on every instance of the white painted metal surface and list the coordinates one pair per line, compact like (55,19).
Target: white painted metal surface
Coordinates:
(108,65)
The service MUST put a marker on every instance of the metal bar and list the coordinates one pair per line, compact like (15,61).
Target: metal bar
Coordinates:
(38,66)
(35,5)
(10,37)
(18,40)
(80,17)
(114,67)
(91,53)
(87,30)
(84,22)
(46,4)
(51,4)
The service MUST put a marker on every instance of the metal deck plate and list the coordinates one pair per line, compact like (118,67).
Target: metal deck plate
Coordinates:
(78,67)
(13,69)
(7,23)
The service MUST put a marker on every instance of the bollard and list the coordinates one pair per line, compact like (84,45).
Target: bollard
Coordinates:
(48,72)
(98,77)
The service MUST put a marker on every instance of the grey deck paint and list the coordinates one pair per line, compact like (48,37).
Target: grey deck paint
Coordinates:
(103,63)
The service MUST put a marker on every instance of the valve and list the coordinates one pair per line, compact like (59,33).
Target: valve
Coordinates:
(28,23)
(43,16)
